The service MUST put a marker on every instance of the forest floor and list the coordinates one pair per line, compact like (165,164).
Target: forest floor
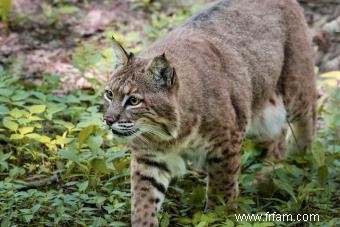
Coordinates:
(57,51)
(45,36)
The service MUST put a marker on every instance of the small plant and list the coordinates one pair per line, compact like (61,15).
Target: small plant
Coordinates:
(43,134)
(5,8)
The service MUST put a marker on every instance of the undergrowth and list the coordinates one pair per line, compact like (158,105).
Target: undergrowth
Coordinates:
(44,134)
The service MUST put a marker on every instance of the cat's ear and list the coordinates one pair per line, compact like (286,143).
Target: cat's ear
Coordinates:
(162,72)
(122,57)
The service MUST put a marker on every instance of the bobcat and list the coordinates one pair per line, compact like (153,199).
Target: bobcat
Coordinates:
(239,68)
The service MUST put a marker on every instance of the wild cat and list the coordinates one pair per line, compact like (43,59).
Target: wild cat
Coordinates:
(239,68)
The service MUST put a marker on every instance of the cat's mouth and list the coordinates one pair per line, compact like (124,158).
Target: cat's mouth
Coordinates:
(124,134)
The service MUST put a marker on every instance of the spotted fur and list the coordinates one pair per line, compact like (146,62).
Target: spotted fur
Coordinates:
(241,68)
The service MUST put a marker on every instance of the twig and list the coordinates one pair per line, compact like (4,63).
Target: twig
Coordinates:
(38,183)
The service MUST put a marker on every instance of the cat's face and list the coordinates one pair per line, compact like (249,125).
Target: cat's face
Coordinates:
(140,100)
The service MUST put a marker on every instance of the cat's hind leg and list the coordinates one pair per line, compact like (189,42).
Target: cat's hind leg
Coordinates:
(268,129)
(297,82)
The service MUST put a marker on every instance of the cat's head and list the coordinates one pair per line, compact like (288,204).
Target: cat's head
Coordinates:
(140,98)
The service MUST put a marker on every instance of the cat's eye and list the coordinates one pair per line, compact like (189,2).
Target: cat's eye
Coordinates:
(108,94)
(133,101)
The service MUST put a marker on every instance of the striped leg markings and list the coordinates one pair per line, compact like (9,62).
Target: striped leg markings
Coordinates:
(223,166)
(150,178)
(152,163)
(159,186)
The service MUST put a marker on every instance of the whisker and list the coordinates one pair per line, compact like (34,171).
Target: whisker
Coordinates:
(155,130)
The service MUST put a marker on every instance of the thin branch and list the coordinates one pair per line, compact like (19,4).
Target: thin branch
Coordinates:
(38,183)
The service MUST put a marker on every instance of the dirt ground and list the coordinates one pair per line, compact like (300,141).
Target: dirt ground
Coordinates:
(323,16)
(43,39)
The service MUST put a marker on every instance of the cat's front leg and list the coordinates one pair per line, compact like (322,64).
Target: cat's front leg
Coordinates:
(223,165)
(150,178)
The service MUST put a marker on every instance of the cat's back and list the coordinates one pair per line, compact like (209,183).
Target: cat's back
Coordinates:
(233,45)
(232,17)
(227,25)
(228,17)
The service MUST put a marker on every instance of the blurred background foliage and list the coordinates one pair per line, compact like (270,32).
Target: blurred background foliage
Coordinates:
(60,167)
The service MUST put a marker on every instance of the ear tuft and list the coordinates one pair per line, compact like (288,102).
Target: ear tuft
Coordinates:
(161,70)
(122,57)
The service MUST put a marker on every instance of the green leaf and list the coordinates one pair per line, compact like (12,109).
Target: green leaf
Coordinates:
(6,92)
(164,220)
(6,221)
(28,217)
(4,157)
(33,136)
(16,136)
(184,220)
(72,99)
(36,109)
(39,95)
(263,224)
(20,96)
(83,186)
(94,143)
(100,200)
(68,125)
(202,224)
(95,58)
(55,108)
(34,118)
(318,153)
(5,7)
(197,196)
(35,208)
(245,224)
(322,174)
(26,130)
(8,123)
(70,155)
(62,140)
(68,9)
(286,187)
(229,223)
(3,110)
(16,113)
(99,166)
(44,139)
(40,138)
(84,134)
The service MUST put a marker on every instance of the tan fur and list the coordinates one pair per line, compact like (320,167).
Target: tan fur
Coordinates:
(203,86)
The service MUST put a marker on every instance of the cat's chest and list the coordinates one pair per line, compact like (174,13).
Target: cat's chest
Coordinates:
(195,152)
(181,158)
(189,152)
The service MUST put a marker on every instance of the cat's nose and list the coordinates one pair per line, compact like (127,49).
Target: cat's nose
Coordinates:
(109,120)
